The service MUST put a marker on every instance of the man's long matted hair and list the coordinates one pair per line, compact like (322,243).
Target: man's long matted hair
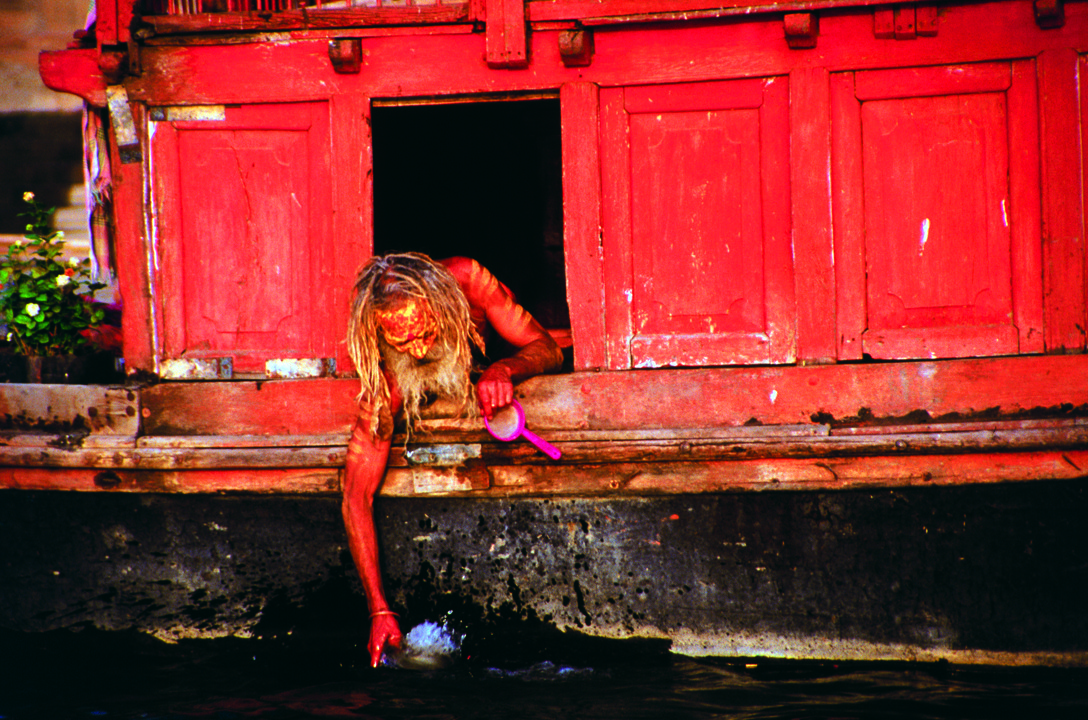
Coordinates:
(384,282)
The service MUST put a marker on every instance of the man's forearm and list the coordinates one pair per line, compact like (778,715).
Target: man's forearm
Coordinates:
(537,358)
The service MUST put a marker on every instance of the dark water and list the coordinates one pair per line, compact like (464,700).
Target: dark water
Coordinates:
(96,675)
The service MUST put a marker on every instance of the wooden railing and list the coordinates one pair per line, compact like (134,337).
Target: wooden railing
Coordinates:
(197,7)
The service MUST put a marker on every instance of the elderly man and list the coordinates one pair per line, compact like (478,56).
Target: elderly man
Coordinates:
(413,325)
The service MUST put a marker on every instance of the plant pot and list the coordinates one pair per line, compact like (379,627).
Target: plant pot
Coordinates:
(56,369)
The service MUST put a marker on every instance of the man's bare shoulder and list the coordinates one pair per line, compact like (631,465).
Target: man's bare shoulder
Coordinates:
(463,269)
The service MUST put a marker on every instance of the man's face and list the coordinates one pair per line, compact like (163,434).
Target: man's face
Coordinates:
(410,327)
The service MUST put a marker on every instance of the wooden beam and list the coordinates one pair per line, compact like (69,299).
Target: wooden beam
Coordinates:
(270,480)
(305,20)
(278,407)
(1063,222)
(76,72)
(506,37)
(843,394)
(580,118)
(642,479)
(813,242)
(870,393)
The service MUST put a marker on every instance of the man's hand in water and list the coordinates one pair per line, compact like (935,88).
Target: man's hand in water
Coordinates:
(384,630)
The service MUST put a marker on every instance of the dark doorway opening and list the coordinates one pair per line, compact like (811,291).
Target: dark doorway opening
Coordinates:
(483,180)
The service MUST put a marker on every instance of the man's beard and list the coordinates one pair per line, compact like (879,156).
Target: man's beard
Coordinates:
(439,374)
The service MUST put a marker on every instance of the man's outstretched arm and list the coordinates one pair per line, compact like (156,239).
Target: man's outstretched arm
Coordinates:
(368,456)
(537,352)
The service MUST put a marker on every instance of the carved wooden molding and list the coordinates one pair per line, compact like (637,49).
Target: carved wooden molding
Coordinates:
(905,22)
(1049,14)
(346,55)
(576,47)
(801,29)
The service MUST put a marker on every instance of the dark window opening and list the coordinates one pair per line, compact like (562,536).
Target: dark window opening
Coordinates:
(482,180)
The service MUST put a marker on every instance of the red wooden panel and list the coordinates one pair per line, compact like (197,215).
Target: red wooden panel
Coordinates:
(810,144)
(1083,72)
(352,187)
(848,216)
(1063,223)
(616,228)
(932,81)
(937,239)
(936,174)
(133,285)
(707,225)
(1024,210)
(579,105)
(244,203)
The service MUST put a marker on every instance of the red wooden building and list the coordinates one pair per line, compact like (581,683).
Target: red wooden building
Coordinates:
(792,246)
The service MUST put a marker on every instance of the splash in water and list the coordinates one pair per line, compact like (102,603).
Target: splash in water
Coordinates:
(427,646)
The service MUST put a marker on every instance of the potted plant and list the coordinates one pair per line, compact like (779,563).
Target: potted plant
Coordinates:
(47,301)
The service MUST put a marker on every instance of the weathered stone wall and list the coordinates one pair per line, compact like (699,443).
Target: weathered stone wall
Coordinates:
(992,573)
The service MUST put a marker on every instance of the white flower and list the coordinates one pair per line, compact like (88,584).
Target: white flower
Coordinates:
(28,196)
(32,309)
(58,236)
(73,261)
(18,243)
(63,280)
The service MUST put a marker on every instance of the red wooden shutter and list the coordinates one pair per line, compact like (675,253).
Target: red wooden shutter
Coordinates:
(697,261)
(243,205)
(937,237)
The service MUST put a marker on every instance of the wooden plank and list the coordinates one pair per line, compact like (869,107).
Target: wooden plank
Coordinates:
(1063,222)
(932,81)
(640,468)
(298,20)
(619,11)
(505,34)
(810,194)
(616,228)
(663,399)
(134,257)
(304,480)
(969,389)
(352,188)
(107,29)
(1024,212)
(642,479)
(170,458)
(703,450)
(449,64)
(1083,73)
(580,122)
(241,441)
(278,407)
(159,453)
(848,216)
(91,408)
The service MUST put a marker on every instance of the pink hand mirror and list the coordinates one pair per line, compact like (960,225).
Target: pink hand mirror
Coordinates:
(508,424)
